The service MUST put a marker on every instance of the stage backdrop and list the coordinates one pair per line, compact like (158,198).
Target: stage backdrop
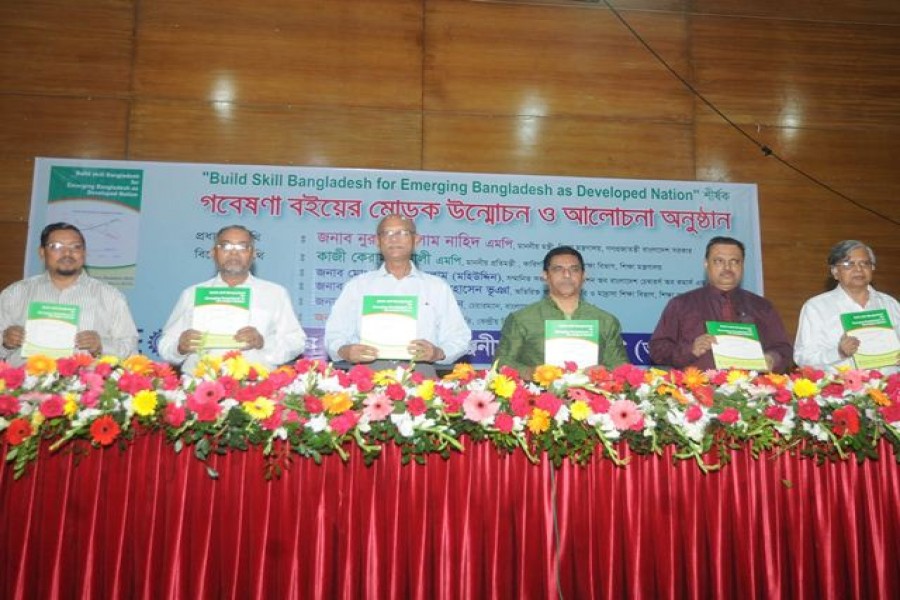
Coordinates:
(150,227)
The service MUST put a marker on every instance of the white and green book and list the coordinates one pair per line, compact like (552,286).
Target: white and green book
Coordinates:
(878,342)
(737,346)
(219,313)
(572,340)
(389,324)
(50,329)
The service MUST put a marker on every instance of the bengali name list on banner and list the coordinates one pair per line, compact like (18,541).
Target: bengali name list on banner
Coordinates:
(485,234)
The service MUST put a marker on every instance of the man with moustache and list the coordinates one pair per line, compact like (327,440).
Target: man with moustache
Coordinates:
(821,341)
(523,338)
(442,335)
(680,339)
(273,335)
(105,325)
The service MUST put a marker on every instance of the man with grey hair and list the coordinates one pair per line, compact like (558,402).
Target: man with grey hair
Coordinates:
(442,335)
(271,337)
(821,340)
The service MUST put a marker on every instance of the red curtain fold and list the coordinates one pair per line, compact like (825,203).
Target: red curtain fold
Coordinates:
(150,523)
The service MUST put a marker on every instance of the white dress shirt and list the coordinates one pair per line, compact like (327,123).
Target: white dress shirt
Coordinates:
(271,313)
(103,309)
(439,320)
(820,329)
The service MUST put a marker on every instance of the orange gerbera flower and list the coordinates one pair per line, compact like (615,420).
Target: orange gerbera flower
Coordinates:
(879,397)
(461,372)
(39,364)
(138,364)
(546,374)
(105,430)
(336,403)
(694,377)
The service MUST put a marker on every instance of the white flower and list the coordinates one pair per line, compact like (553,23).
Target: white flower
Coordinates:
(318,423)
(562,415)
(816,430)
(404,424)
(330,384)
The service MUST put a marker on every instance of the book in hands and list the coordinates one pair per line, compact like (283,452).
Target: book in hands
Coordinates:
(389,323)
(219,313)
(50,329)
(737,346)
(572,340)
(879,345)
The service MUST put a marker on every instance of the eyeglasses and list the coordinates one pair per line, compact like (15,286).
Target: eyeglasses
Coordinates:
(59,247)
(849,265)
(395,233)
(234,246)
(731,262)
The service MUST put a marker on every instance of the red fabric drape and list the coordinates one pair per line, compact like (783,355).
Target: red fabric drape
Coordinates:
(149,523)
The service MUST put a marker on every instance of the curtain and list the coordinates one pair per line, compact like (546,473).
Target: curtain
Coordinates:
(149,523)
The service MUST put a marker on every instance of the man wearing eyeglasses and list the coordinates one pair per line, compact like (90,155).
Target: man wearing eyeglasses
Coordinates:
(821,341)
(680,339)
(105,325)
(272,336)
(442,335)
(524,335)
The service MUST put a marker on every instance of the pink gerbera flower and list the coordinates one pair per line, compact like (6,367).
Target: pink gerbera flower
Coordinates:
(624,414)
(480,406)
(378,407)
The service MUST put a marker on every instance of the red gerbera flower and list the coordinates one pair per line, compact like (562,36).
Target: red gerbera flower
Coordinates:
(18,431)
(105,430)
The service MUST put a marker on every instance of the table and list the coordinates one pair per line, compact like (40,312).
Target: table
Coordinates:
(151,523)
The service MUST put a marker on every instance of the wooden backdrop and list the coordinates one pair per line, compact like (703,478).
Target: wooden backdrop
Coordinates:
(553,87)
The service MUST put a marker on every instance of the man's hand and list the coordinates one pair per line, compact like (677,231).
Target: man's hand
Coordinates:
(848,346)
(13,336)
(89,341)
(358,353)
(250,338)
(703,344)
(425,351)
(189,341)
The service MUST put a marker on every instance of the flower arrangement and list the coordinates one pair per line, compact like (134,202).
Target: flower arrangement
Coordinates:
(310,409)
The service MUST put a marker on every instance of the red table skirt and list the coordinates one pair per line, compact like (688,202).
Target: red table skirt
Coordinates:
(150,523)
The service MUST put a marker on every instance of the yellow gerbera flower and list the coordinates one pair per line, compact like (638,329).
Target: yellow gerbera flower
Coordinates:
(71,405)
(804,388)
(145,403)
(503,386)
(546,374)
(539,422)
(259,409)
(426,390)
(737,376)
(384,377)
(580,410)
(38,364)
(109,359)
(237,366)
(336,403)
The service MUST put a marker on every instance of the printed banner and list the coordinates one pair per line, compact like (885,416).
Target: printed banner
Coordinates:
(486,234)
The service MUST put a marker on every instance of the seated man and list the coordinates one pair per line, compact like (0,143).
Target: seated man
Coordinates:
(680,339)
(273,335)
(522,340)
(821,341)
(104,326)
(441,336)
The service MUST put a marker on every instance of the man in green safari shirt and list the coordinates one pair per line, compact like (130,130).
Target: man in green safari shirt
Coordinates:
(522,340)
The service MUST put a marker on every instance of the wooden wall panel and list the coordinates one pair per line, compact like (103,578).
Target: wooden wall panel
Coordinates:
(52,126)
(319,52)
(63,47)
(560,146)
(276,135)
(797,74)
(848,11)
(549,61)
